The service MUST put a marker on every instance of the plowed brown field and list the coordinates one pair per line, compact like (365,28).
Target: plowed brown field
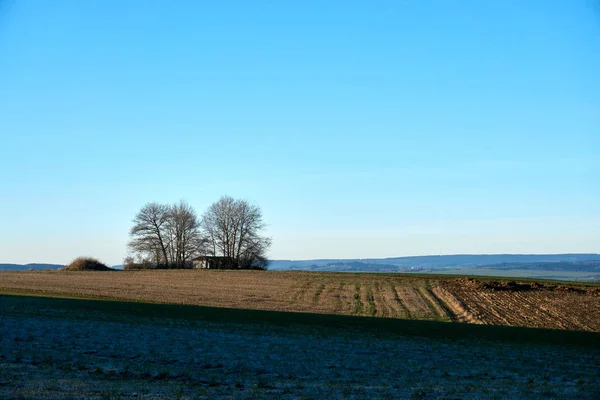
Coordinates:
(574,306)
(541,306)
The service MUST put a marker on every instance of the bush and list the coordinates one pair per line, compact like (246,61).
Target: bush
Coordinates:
(132,266)
(87,264)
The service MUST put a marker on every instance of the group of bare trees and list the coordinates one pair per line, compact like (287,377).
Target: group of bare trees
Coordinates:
(232,229)
(166,234)
(170,236)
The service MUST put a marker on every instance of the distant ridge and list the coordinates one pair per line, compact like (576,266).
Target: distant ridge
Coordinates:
(37,267)
(429,262)
(589,262)
(29,267)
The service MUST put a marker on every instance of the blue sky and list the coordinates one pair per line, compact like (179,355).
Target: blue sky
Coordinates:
(362,128)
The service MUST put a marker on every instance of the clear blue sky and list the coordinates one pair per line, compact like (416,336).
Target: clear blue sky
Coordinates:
(362,128)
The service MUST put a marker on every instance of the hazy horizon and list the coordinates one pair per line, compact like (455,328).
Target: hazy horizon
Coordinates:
(362,130)
(354,258)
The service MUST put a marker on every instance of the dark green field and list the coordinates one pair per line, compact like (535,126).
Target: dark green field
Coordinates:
(73,348)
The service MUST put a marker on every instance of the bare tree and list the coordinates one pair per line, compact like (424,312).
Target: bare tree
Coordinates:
(184,233)
(167,234)
(148,234)
(233,230)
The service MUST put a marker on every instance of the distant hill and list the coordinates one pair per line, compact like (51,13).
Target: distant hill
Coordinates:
(550,262)
(430,263)
(29,267)
(37,267)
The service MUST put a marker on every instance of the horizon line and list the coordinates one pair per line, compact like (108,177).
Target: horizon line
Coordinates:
(382,258)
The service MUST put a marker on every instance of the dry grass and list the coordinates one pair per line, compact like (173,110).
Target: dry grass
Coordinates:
(389,296)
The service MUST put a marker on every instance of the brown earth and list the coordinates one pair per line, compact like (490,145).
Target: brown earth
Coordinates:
(559,306)
(532,304)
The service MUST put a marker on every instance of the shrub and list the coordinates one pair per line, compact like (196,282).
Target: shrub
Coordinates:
(131,266)
(87,264)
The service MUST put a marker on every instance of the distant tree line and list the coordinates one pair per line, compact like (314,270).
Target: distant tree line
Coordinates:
(172,235)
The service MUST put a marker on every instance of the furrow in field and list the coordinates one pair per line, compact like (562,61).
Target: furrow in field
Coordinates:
(403,311)
(359,305)
(526,314)
(329,298)
(551,316)
(347,298)
(301,292)
(318,290)
(491,306)
(392,300)
(525,311)
(505,308)
(435,306)
(587,315)
(456,307)
(370,307)
(414,302)
(364,300)
(478,305)
(384,301)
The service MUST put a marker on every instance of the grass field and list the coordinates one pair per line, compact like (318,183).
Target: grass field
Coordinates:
(72,348)
(421,297)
